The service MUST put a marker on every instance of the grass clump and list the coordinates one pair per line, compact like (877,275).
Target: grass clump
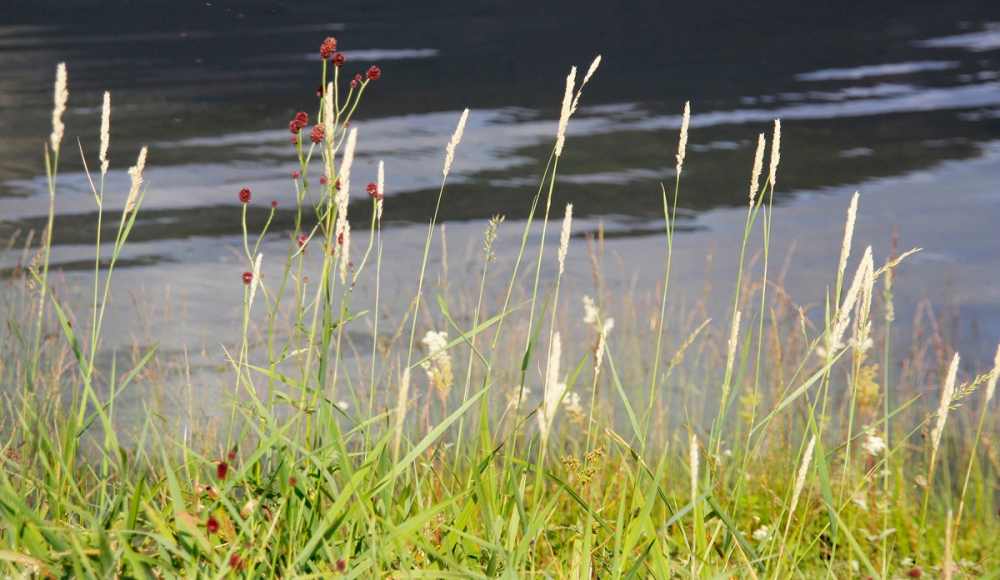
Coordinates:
(777,444)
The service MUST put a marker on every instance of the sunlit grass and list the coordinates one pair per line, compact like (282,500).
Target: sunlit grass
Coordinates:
(507,427)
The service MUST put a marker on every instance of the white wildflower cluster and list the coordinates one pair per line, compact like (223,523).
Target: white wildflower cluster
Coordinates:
(760,534)
(438,367)
(873,445)
(591,316)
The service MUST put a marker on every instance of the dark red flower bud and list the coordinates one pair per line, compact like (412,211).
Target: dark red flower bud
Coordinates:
(236,563)
(295,140)
(245,195)
(336,185)
(317,134)
(347,124)
(247,277)
(295,175)
(322,180)
(292,481)
(231,456)
(339,59)
(303,240)
(340,239)
(274,203)
(294,127)
(223,468)
(374,73)
(914,572)
(302,119)
(358,78)
(328,47)
(373,191)
(319,91)
(354,84)
(212,525)
(341,565)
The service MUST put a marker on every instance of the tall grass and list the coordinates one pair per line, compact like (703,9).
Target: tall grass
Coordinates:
(772,444)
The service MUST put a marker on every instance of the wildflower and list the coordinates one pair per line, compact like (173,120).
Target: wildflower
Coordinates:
(339,59)
(341,565)
(758,163)
(358,78)
(317,134)
(212,525)
(336,184)
(231,456)
(294,128)
(274,203)
(328,47)
(302,118)
(873,445)
(292,481)
(914,572)
(373,73)
(564,237)
(322,181)
(760,533)
(295,140)
(354,84)
(303,240)
(682,144)
(61,96)
(340,239)
(245,195)
(223,468)
(237,563)
(105,132)
(373,191)
(319,91)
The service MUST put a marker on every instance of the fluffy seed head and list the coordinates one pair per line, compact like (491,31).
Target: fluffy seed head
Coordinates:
(800,481)
(253,289)
(566,111)
(61,96)
(554,390)
(734,335)
(136,174)
(381,189)
(947,396)
(693,459)
(683,143)
(105,132)
(991,385)
(845,248)
(404,394)
(775,153)
(586,77)
(455,139)
(758,165)
(564,237)
(373,73)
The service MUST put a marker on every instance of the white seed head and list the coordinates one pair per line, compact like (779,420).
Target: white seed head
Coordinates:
(947,395)
(693,457)
(404,394)
(845,248)
(381,190)
(991,385)
(345,252)
(564,237)
(256,279)
(136,174)
(328,113)
(758,166)
(554,389)
(734,335)
(61,96)
(775,153)
(873,444)
(844,313)
(567,109)
(683,143)
(455,139)
(590,72)
(105,132)
(800,481)
(589,311)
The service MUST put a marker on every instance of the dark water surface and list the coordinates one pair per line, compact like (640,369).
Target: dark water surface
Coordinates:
(900,100)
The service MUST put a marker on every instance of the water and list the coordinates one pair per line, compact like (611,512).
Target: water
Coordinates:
(899,101)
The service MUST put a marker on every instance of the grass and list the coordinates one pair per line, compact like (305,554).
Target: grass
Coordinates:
(781,442)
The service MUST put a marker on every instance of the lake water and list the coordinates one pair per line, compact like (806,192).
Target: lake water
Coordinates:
(900,101)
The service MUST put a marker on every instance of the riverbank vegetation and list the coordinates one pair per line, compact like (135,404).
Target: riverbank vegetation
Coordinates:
(505,429)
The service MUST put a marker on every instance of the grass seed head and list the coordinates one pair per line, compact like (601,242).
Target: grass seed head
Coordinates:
(61,96)
(682,144)
(105,132)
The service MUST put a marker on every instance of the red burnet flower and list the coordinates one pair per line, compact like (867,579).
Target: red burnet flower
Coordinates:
(237,563)
(274,203)
(319,91)
(295,140)
(354,84)
(339,59)
(212,525)
(292,481)
(295,175)
(303,240)
(374,192)
(347,124)
(340,239)
(336,185)
(914,572)
(317,134)
(302,118)
(293,127)
(341,565)
(245,195)
(322,180)
(247,277)
(328,47)
(373,73)
(222,469)
(231,456)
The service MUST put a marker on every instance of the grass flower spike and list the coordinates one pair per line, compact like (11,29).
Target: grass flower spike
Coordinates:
(758,166)
(947,397)
(564,237)
(566,111)
(105,132)
(682,144)
(61,96)
(136,174)
(775,153)
(381,190)
(845,249)
(455,139)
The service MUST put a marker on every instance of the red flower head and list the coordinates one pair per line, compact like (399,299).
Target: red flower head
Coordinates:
(358,78)
(339,59)
(245,195)
(294,127)
(341,565)
(295,175)
(236,563)
(340,239)
(373,73)
(302,118)
(247,277)
(914,572)
(354,84)
(295,140)
(303,240)
(328,48)
(223,468)
(292,481)
(212,525)
(336,185)
(373,191)
(347,124)
(319,91)
(322,180)
(317,134)
(231,456)
(274,203)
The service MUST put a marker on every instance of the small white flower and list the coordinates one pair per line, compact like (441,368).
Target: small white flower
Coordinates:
(873,445)
(589,311)
(760,533)
(906,562)
(572,404)
(855,567)
(343,405)
(860,502)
